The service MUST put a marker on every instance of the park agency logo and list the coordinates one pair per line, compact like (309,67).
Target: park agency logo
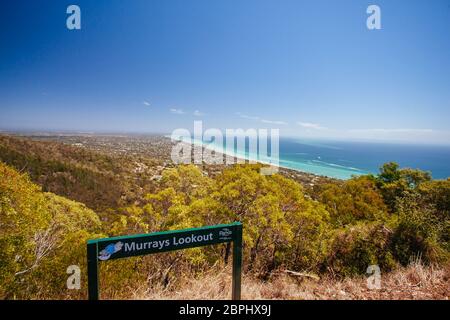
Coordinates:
(112,248)
(225,234)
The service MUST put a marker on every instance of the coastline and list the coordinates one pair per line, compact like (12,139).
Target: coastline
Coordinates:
(306,177)
(282,164)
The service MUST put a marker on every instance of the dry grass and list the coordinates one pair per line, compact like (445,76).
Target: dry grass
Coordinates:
(413,282)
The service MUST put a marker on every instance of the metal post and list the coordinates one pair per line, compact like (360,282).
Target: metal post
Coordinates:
(237,263)
(92,264)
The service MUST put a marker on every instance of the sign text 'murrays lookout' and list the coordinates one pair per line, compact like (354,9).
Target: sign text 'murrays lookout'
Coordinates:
(120,247)
(160,244)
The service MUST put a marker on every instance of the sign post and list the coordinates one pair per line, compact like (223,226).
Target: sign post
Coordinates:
(237,264)
(99,250)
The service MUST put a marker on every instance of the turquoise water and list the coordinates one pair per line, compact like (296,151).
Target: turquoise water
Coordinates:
(342,160)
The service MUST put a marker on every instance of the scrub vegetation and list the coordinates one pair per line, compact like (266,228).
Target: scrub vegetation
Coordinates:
(54,197)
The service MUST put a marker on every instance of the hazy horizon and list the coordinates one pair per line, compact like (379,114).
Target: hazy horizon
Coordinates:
(149,133)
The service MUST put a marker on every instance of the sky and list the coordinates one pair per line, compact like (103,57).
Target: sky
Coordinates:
(309,68)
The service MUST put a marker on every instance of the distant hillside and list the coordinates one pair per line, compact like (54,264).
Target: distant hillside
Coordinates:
(99,180)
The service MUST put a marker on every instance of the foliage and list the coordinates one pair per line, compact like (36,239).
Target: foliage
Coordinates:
(41,234)
(339,227)
(394,182)
(356,247)
(420,231)
(353,200)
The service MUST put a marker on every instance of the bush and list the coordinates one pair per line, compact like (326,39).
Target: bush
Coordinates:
(41,234)
(354,248)
(420,231)
(353,200)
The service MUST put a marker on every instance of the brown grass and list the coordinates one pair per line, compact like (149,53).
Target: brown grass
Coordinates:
(411,283)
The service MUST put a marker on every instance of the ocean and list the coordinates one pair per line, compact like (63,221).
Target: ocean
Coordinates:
(342,160)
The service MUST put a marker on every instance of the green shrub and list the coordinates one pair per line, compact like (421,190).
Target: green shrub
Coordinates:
(354,248)
(41,234)
(357,199)
(421,231)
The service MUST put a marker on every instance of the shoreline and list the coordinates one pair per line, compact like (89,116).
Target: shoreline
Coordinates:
(165,145)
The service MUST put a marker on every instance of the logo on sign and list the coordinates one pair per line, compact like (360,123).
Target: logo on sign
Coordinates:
(225,234)
(112,248)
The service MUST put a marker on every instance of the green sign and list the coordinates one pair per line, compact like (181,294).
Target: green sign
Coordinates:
(99,250)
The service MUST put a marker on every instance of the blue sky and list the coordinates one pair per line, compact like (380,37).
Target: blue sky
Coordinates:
(309,68)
